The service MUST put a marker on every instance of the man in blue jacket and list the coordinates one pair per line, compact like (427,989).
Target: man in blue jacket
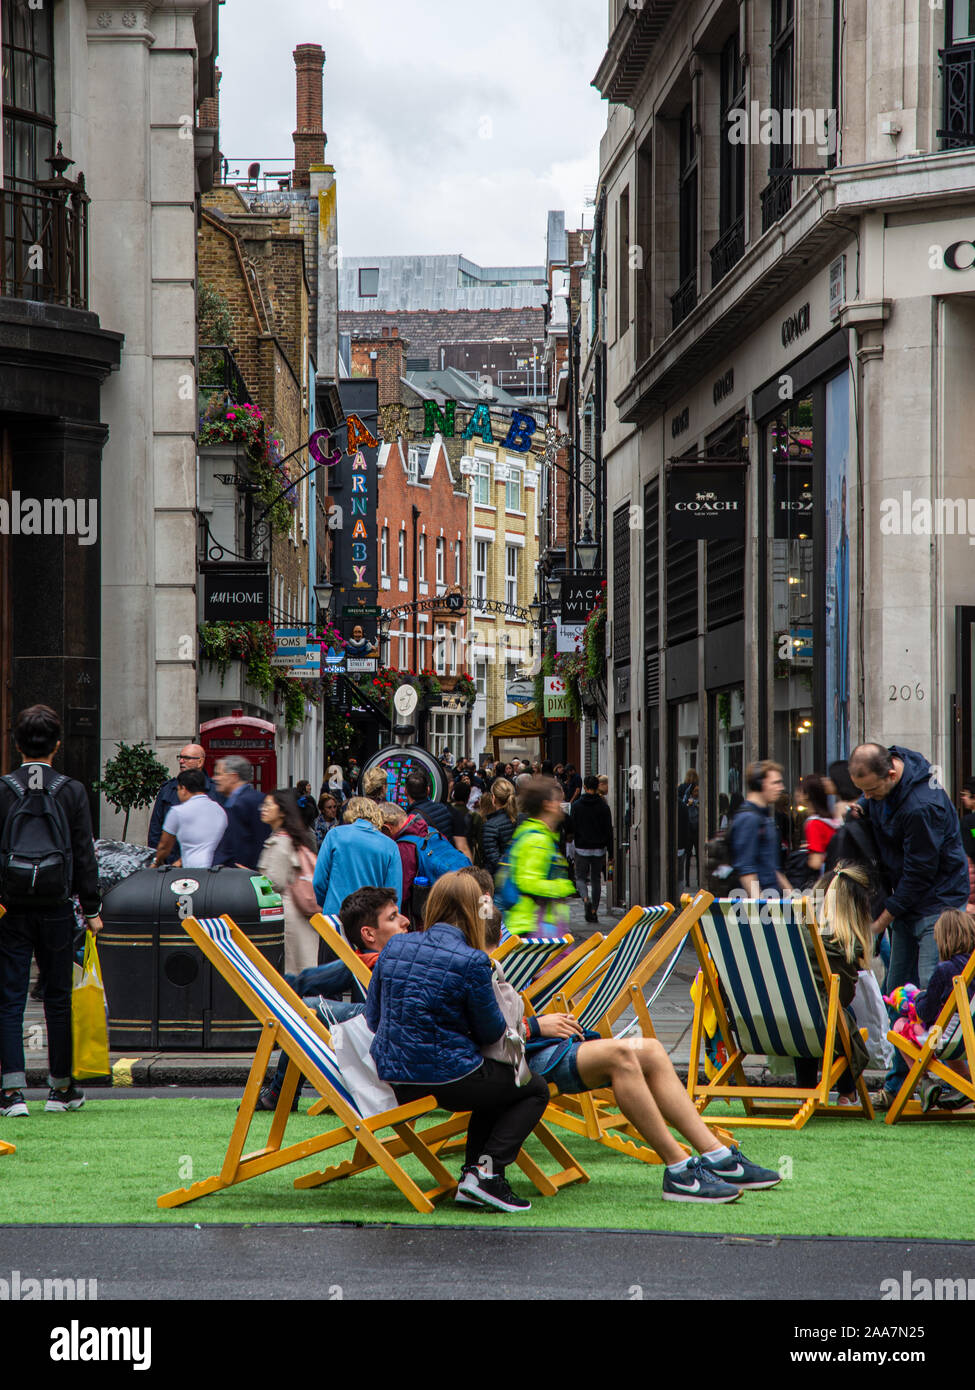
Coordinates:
(919,839)
(245,834)
(356,855)
(753,836)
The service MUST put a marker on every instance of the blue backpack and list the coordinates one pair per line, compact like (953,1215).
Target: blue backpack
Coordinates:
(436,855)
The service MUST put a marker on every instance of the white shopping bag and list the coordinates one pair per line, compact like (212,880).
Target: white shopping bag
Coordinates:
(870,1012)
(351,1042)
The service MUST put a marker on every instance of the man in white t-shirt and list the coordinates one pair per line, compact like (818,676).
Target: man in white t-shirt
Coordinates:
(196,823)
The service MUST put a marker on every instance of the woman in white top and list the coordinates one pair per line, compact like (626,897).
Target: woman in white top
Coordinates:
(281,862)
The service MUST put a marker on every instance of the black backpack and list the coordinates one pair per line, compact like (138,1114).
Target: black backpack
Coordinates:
(36,866)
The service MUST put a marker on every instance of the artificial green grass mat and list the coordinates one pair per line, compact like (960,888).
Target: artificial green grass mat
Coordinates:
(110,1161)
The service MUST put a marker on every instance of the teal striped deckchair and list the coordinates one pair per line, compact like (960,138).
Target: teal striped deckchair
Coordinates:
(951,1039)
(758,978)
(289,1024)
(594,1114)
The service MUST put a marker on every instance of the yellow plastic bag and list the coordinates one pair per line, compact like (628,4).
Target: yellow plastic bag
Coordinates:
(89,1018)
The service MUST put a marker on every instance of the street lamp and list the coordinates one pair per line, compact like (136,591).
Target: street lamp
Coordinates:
(535,609)
(554,586)
(323,596)
(587,551)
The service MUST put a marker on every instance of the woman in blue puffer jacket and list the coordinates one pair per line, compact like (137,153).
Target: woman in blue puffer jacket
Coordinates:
(432,1007)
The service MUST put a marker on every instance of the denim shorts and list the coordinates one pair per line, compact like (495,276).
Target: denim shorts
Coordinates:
(562,1073)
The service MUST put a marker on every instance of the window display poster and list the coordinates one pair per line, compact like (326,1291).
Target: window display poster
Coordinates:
(837,610)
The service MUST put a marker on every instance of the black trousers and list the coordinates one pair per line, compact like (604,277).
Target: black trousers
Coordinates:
(502,1113)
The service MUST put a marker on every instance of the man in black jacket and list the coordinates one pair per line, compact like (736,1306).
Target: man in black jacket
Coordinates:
(44,930)
(245,834)
(435,813)
(592,828)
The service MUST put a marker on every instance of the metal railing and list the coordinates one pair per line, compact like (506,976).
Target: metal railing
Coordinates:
(220,375)
(958,96)
(776,200)
(727,250)
(684,300)
(45,245)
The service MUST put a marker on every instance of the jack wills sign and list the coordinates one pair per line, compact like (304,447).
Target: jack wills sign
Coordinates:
(706,504)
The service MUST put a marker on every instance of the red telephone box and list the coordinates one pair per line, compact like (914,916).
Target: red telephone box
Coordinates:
(249,738)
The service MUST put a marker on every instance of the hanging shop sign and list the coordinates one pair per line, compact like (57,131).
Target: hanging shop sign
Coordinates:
(706,504)
(580,594)
(556,699)
(236,592)
(290,644)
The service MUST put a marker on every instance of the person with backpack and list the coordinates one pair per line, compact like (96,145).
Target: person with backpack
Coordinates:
(805,865)
(538,873)
(47,854)
(288,860)
(435,856)
(396,824)
(419,803)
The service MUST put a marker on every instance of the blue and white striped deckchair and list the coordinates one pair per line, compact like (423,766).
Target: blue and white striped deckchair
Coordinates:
(523,957)
(950,1040)
(595,1113)
(611,965)
(291,1025)
(758,977)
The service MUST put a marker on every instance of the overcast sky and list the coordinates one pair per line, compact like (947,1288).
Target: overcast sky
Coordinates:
(453,125)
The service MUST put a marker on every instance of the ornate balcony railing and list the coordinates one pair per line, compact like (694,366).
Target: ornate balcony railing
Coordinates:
(45,244)
(958,96)
(776,199)
(727,250)
(220,375)
(684,300)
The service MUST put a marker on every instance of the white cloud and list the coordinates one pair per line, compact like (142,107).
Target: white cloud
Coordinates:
(453,126)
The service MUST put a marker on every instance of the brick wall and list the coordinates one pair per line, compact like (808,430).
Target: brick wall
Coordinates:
(389,366)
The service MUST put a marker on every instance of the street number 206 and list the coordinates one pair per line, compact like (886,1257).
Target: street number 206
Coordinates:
(906,692)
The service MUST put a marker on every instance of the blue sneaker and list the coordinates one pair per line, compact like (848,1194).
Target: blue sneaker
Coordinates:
(736,1169)
(697,1183)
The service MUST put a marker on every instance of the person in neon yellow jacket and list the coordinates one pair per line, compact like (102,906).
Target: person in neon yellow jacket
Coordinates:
(537,869)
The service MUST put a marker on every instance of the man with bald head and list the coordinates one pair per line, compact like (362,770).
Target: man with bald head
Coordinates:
(190,758)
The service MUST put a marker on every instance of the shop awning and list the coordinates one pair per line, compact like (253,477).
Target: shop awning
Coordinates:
(525,725)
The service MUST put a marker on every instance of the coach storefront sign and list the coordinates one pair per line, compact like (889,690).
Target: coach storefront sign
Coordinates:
(795,325)
(239,593)
(706,504)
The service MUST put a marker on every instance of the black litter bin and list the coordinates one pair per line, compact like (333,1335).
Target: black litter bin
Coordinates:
(163,994)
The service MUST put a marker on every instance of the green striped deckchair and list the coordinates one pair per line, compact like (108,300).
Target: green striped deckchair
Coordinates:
(951,1039)
(755,957)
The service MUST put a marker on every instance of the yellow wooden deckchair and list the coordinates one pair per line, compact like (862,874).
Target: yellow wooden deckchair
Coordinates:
(757,976)
(530,953)
(951,1039)
(594,1114)
(289,1024)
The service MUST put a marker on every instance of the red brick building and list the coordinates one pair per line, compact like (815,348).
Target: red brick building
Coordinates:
(422,559)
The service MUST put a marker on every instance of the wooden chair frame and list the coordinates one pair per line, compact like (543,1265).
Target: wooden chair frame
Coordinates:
(792,1106)
(355,1128)
(448,1136)
(594,1114)
(926,1058)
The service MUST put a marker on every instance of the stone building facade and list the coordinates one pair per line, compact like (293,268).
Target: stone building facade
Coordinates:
(789,319)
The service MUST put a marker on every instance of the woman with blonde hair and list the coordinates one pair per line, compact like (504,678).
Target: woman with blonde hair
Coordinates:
(848,941)
(355,855)
(499,826)
(432,1007)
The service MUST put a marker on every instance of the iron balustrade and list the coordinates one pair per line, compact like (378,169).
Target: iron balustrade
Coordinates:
(727,250)
(45,245)
(958,96)
(776,199)
(220,375)
(684,300)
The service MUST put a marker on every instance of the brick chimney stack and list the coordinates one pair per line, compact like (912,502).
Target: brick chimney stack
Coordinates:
(309,137)
(209,117)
